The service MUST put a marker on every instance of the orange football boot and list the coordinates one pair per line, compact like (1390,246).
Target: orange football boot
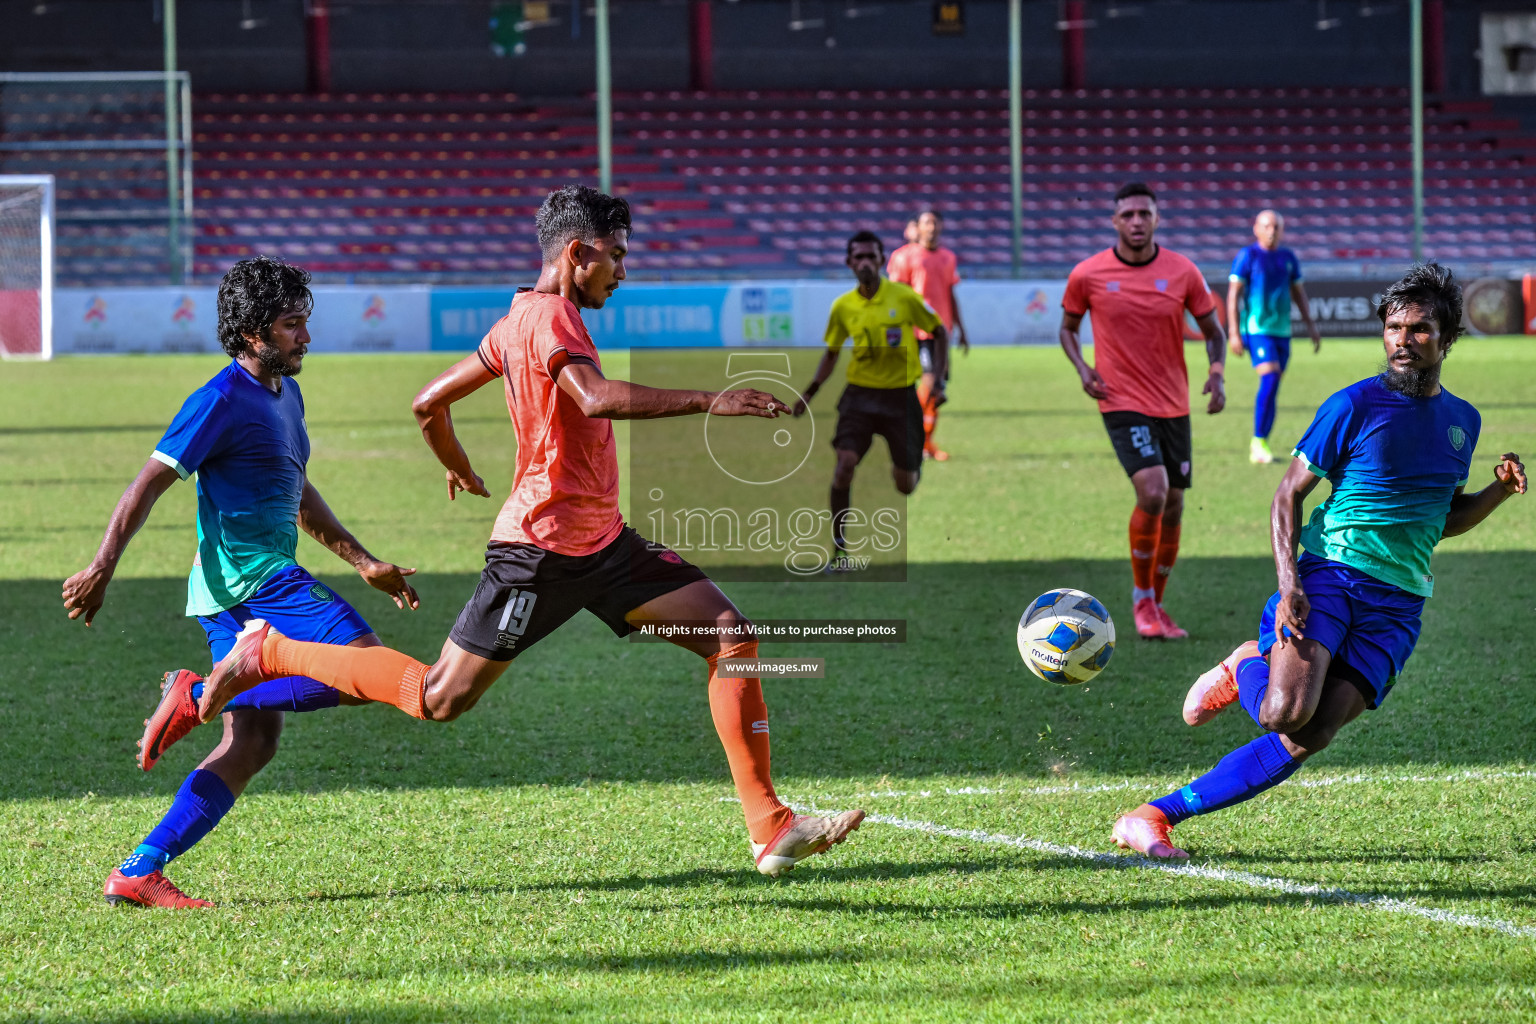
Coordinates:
(1216,689)
(175,716)
(1146,830)
(151,890)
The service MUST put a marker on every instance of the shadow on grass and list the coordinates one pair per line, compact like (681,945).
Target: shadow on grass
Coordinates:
(953,700)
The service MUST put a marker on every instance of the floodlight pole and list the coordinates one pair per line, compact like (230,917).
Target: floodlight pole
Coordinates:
(1016,131)
(604,102)
(1416,99)
(172,124)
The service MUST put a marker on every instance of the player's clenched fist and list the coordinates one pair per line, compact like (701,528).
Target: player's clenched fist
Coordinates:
(1511,473)
(747,402)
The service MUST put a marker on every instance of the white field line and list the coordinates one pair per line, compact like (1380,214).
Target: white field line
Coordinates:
(1112,860)
(1470,775)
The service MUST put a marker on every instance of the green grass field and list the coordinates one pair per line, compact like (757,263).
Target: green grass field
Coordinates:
(569,849)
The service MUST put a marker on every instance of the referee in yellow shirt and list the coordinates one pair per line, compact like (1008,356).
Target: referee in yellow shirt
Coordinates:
(881,397)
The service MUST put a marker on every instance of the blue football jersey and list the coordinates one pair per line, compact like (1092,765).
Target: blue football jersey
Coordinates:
(1394,462)
(248,448)
(1267,275)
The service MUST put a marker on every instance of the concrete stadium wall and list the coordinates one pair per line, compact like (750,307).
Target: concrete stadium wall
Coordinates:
(421,45)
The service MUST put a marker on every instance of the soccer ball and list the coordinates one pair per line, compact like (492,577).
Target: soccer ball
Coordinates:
(1066,636)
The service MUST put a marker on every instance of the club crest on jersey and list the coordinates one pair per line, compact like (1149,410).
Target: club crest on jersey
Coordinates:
(1162,284)
(893,336)
(1458,437)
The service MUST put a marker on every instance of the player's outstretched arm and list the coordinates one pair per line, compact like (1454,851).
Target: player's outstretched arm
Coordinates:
(1467,510)
(85,591)
(823,371)
(601,398)
(1299,296)
(431,408)
(1093,384)
(1284,535)
(317,520)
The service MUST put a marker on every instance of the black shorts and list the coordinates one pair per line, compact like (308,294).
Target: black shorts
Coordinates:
(1141,441)
(893,413)
(526,593)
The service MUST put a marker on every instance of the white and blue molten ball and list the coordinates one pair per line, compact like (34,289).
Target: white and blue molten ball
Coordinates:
(1066,636)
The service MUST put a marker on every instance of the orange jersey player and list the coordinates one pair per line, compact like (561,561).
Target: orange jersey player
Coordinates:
(1138,293)
(560,544)
(932,271)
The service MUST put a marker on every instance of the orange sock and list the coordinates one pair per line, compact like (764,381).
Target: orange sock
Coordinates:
(741,719)
(376,673)
(1167,554)
(1144,535)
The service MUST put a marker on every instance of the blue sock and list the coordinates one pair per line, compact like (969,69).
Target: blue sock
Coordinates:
(144,860)
(1241,775)
(1252,685)
(199,804)
(1264,408)
(290,693)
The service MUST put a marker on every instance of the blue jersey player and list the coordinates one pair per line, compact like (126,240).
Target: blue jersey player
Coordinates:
(243,435)
(1333,640)
(1266,279)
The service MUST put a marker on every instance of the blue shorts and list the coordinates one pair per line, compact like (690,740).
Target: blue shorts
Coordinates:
(297,604)
(1368,626)
(1268,348)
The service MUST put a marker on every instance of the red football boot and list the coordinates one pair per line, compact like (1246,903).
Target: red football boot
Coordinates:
(151,890)
(175,716)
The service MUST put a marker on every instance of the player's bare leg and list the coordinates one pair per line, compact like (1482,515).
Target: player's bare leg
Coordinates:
(456,682)
(779,838)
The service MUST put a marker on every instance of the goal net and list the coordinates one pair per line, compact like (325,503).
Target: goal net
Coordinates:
(26,266)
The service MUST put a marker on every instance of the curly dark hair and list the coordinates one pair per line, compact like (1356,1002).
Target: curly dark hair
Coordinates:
(1434,286)
(578,212)
(254,293)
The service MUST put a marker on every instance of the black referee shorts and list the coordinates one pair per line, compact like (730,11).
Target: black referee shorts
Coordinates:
(893,413)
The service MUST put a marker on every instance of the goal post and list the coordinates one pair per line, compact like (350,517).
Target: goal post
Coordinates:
(26,266)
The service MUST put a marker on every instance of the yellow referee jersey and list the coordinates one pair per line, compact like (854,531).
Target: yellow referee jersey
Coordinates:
(881,329)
